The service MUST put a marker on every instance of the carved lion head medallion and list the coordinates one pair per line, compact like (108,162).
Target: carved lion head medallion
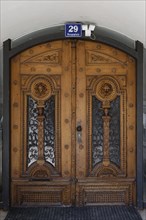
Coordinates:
(106,90)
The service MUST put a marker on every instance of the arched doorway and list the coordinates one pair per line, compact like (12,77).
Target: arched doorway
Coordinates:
(73,125)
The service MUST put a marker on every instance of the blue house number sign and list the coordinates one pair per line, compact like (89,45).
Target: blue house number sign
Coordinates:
(73,30)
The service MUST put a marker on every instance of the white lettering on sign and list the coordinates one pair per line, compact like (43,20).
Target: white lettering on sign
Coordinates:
(73,29)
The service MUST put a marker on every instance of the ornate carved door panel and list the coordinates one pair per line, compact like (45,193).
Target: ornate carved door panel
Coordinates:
(41,126)
(72,125)
(106,101)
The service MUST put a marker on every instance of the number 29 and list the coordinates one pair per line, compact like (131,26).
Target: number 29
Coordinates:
(73,28)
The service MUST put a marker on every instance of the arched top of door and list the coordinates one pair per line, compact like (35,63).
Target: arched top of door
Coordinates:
(101,34)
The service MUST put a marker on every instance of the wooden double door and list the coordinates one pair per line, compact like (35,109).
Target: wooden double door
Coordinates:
(73,125)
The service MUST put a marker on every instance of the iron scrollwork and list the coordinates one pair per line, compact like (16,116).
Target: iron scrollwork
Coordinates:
(32,130)
(114,131)
(97,131)
(49,131)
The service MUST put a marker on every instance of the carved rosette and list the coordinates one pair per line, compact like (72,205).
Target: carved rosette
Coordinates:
(106,90)
(41,89)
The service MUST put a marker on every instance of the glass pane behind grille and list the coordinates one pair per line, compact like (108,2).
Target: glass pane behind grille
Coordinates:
(97,131)
(114,135)
(49,130)
(32,130)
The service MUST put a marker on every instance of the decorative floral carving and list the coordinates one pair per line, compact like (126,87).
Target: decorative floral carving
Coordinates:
(95,58)
(49,57)
(40,174)
(106,90)
(41,89)
(39,171)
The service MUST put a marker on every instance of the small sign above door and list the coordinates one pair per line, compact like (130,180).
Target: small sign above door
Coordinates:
(73,30)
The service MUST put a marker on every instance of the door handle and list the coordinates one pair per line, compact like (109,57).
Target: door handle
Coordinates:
(79,134)
(79,128)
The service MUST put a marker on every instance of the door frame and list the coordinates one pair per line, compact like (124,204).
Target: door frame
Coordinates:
(116,40)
